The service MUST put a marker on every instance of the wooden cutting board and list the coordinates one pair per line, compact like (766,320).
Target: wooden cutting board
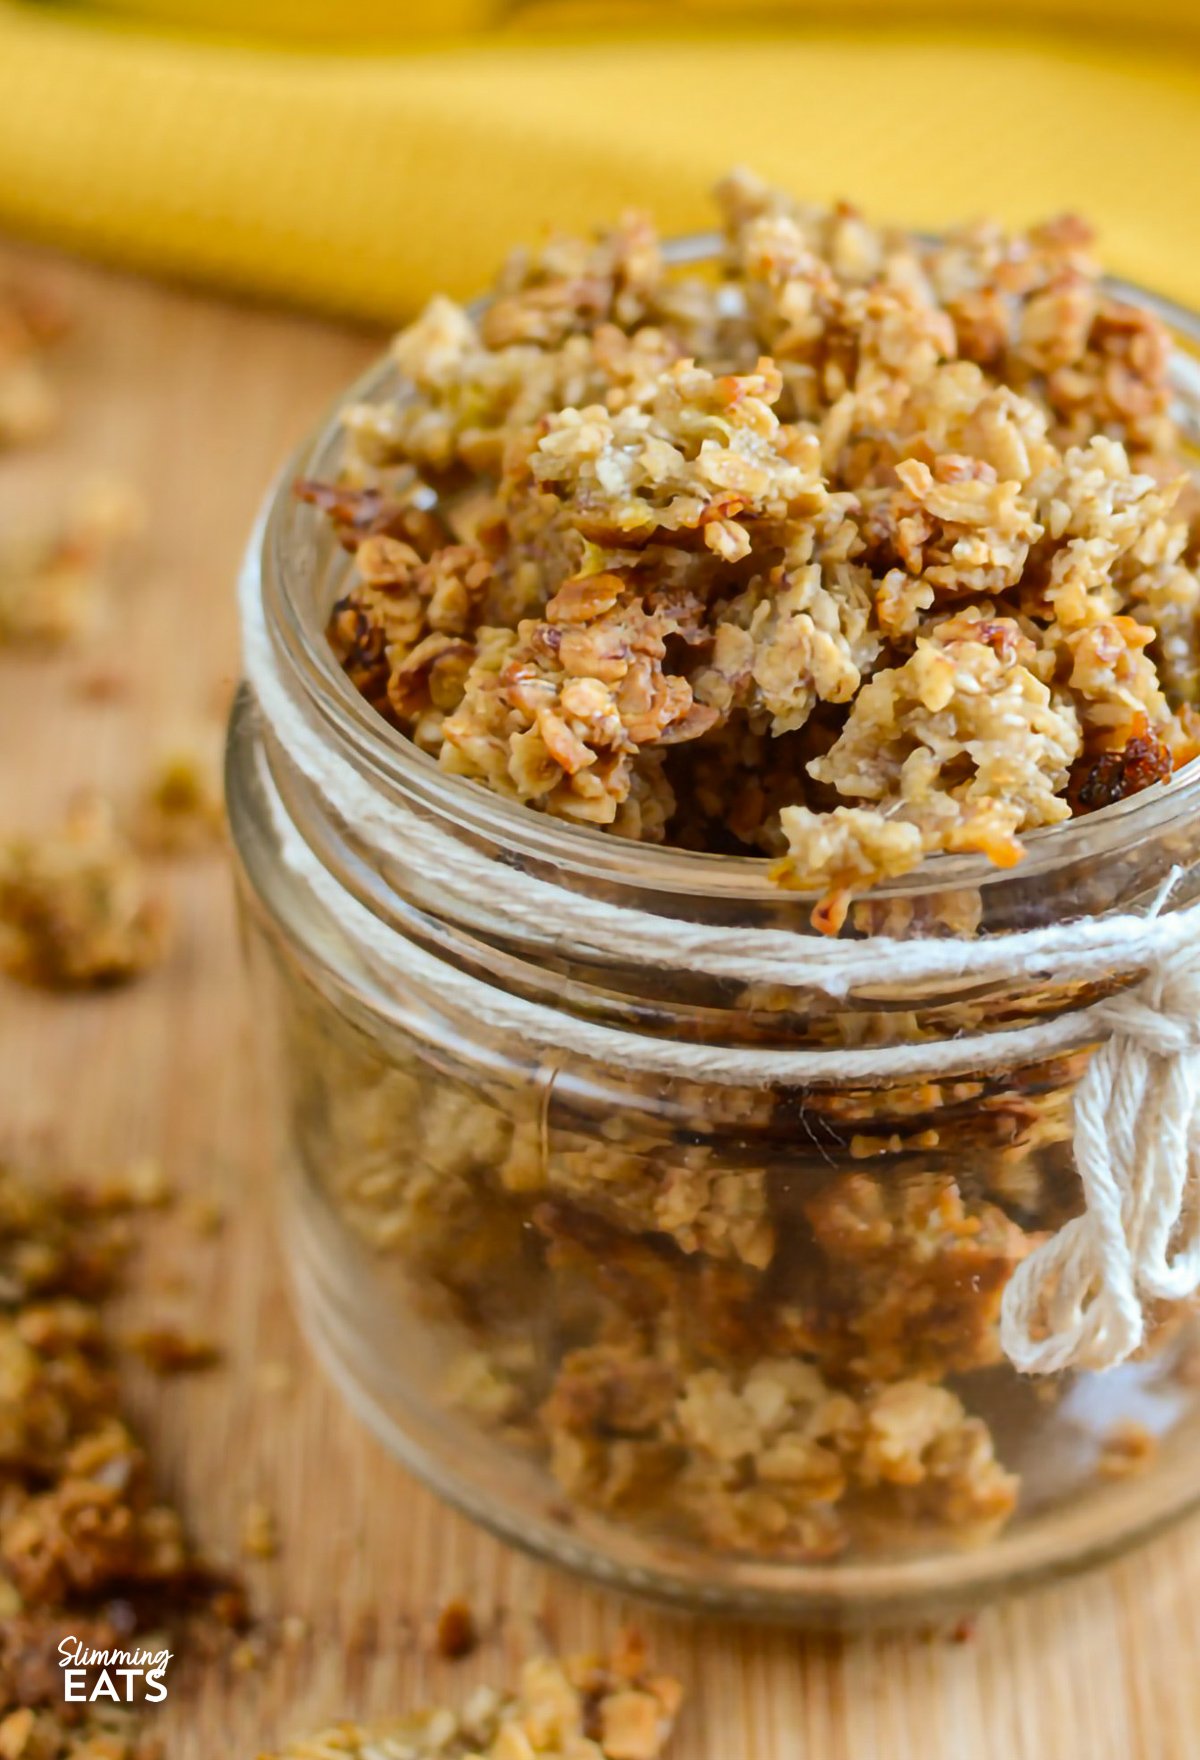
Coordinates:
(198,401)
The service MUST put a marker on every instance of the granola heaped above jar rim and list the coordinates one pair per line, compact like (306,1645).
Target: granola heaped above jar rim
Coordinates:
(846,548)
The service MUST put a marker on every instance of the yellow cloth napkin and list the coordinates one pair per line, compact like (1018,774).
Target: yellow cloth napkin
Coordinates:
(362,179)
(402,22)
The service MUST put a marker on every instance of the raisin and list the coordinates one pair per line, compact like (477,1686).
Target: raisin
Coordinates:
(1142,762)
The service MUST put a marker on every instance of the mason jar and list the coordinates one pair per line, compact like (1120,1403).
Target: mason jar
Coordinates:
(730,1342)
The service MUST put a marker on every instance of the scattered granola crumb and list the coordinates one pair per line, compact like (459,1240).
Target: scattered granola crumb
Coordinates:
(52,583)
(75,909)
(260,1536)
(1128,1449)
(86,1549)
(107,1733)
(456,1635)
(180,811)
(612,1708)
(169,1350)
(294,1630)
(142,1184)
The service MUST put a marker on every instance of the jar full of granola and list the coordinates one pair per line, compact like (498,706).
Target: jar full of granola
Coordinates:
(712,1207)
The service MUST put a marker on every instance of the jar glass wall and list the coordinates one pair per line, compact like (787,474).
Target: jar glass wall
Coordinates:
(737,1346)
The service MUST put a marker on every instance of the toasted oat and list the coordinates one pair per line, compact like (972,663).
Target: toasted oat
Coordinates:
(609,1708)
(75,908)
(867,549)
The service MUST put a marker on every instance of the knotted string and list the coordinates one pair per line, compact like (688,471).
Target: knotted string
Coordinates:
(1080,1299)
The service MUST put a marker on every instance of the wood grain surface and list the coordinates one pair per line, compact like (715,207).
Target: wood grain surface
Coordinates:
(197,402)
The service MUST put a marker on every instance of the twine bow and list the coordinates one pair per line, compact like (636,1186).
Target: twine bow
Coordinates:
(1080,1299)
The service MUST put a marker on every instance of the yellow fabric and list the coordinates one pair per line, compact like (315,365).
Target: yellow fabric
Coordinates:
(360,180)
(401,22)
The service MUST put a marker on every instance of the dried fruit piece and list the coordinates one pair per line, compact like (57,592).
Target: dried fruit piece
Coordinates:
(1113,776)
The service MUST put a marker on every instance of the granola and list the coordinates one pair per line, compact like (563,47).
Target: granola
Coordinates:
(53,581)
(575,1708)
(764,1327)
(848,549)
(86,1547)
(913,1276)
(598,1288)
(771,1460)
(180,811)
(75,908)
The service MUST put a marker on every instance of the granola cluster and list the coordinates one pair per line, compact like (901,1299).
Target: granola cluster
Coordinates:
(76,909)
(86,1548)
(847,548)
(572,1708)
(80,906)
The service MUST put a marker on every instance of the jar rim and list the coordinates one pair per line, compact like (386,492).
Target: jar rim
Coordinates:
(289,528)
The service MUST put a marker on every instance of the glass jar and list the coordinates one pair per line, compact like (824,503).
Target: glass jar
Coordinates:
(732,1345)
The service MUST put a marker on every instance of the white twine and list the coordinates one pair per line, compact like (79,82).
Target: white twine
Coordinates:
(1080,1299)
